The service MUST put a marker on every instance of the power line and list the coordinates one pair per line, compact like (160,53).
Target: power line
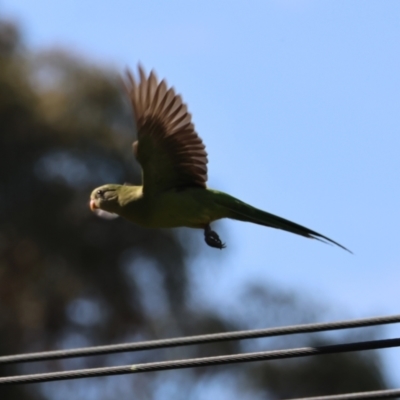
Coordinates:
(202,362)
(200,339)
(377,394)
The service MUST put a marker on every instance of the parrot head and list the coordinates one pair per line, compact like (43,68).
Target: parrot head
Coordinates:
(104,201)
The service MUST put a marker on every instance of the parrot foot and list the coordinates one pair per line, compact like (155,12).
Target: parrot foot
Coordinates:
(212,238)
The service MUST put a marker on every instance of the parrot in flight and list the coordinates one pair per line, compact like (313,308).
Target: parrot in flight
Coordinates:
(174,172)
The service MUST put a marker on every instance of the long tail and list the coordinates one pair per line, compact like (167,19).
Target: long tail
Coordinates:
(241,211)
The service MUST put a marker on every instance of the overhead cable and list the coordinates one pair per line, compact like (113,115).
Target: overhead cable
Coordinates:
(200,339)
(377,394)
(202,362)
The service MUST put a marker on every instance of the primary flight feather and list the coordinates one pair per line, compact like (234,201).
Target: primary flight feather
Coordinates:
(174,165)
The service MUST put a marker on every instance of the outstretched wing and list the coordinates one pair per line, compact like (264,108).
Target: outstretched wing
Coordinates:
(168,148)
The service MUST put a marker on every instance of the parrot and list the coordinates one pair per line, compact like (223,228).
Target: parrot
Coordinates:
(173,160)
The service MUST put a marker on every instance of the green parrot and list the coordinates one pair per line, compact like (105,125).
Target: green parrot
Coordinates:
(174,163)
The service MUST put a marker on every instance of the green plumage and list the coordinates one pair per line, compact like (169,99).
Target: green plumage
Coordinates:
(174,163)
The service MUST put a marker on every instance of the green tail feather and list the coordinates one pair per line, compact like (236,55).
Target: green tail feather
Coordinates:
(241,211)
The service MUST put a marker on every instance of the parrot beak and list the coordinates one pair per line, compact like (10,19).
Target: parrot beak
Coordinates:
(99,212)
(93,205)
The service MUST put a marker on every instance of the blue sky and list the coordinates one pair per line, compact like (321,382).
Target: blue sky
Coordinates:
(298,104)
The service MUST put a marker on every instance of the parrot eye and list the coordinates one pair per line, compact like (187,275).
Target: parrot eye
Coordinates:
(100,193)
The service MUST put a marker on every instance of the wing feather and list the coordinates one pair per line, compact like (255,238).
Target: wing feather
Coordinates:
(168,148)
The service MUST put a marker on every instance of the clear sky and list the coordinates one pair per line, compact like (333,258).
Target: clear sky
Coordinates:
(298,104)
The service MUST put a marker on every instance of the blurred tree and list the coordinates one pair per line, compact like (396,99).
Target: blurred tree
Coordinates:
(69,279)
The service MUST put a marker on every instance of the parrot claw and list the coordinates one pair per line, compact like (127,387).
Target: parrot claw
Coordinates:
(212,238)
